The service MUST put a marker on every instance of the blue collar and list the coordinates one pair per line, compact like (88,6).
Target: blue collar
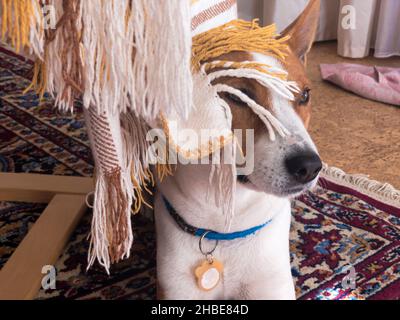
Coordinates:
(209,234)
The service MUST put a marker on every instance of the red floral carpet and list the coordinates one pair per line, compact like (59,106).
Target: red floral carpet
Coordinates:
(345,223)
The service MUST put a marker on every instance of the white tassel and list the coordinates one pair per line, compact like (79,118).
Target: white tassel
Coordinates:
(55,83)
(138,58)
(98,248)
(135,145)
(269,120)
(268,68)
(157,62)
(105,203)
(127,58)
(36,37)
(282,87)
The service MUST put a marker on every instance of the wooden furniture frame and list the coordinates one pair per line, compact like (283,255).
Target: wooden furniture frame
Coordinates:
(21,277)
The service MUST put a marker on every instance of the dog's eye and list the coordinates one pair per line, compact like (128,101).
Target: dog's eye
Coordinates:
(235,99)
(305,97)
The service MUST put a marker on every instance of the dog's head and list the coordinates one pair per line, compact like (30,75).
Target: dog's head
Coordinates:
(287,166)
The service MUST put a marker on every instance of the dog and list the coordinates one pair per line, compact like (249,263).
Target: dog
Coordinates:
(257,266)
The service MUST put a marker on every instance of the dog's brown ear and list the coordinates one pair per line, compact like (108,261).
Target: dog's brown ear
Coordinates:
(302,31)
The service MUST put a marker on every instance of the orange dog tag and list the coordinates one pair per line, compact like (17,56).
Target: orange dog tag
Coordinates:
(209,274)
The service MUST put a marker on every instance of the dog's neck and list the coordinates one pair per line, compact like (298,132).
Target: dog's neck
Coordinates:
(187,191)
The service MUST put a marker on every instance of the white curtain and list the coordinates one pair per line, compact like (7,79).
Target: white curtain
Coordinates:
(376,24)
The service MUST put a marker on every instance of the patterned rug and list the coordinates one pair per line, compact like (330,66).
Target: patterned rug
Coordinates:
(347,225)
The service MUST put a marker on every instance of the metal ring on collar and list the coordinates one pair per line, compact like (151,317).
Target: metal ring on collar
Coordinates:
(201,244)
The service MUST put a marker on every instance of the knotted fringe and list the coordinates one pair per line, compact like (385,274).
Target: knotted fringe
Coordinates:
(117,55)
(111,233)
(62,71)
(384,192)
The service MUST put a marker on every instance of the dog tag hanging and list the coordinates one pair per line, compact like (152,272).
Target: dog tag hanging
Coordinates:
(209,273)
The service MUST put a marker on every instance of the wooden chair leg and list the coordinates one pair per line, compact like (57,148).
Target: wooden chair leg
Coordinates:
(37,188)
(21,277)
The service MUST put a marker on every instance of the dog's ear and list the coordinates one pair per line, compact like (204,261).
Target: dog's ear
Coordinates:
(302,31)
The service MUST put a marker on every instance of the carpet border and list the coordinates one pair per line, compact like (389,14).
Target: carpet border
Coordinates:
(362,186)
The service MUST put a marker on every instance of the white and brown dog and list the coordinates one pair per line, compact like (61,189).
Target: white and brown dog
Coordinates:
(256,266)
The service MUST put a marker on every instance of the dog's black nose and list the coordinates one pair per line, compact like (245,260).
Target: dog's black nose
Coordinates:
(304,167)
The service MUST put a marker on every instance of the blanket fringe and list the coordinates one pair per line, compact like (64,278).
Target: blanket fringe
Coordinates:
(134,152)
(114,54)
(384,192)
(111,234)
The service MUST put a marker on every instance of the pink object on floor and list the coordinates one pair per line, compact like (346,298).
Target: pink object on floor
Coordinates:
(376,83)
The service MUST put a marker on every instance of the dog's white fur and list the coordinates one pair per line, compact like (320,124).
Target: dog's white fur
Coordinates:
(257,267)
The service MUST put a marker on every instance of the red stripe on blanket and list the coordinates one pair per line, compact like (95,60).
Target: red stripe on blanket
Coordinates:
(212,12)
(104,145)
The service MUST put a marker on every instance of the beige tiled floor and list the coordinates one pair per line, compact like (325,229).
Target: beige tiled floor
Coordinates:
(352,133)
